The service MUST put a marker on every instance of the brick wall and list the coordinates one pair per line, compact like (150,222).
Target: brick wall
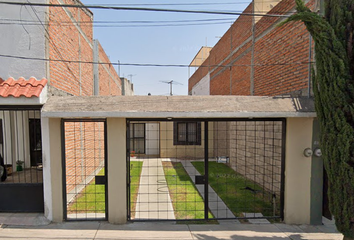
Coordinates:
(110,82)
(254,149)
(71,38)
(281,57)
(255,152)
(84,153)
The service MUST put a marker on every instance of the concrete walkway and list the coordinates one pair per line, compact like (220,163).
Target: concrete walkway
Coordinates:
(153,201)
(141,231)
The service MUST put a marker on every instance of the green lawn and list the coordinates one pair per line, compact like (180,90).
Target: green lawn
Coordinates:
(90,200)
(135,171)
(186,200)
(234,190)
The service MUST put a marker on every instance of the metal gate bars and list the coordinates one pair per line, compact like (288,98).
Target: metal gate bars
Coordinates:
(84,169)
(205,169)
(21,175)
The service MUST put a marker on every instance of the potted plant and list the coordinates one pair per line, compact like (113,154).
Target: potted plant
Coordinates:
(19,165)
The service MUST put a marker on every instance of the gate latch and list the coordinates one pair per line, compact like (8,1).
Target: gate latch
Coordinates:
(200,179)
(100,180)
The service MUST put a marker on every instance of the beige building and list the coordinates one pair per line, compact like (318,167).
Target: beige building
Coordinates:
(301,183)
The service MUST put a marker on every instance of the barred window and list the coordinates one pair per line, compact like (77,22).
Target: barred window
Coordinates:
(187,133)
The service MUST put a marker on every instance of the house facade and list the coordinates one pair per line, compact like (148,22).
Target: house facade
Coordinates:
(46,51)
(258,57)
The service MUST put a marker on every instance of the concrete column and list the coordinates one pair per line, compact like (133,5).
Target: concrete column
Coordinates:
(52,169)
(316,179)
(297,199)
(117,187)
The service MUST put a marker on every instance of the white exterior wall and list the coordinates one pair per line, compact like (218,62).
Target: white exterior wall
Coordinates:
(22,40)
(203,86)
(297,196)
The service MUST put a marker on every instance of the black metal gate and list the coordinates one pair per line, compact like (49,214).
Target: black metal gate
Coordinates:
(208,169)
(21,186)
(84,169)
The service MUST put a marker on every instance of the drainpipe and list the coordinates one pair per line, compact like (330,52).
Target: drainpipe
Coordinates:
(96,84)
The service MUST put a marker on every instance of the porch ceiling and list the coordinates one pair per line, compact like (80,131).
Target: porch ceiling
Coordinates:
(178,107)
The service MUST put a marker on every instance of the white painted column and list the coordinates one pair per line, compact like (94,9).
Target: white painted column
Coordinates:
(52,169)
(297,199)
(117,187)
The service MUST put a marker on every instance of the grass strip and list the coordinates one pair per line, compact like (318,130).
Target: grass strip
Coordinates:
(238,193)
(91,199)
(186,200)
(135,172)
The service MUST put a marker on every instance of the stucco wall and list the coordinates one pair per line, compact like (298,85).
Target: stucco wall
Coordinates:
(202,87)
(23,40)
(298,171)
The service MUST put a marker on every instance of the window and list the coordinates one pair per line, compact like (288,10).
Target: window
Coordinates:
(186,133)
(137,137)
(1,134)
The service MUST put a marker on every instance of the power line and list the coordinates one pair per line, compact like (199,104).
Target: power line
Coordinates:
(145,64)
(54,45)
(142,9)
(123,26)
(127,21)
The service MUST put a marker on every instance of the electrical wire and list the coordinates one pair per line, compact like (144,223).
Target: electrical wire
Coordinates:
(54,45)
(127,25)
(142,9)
(146,64)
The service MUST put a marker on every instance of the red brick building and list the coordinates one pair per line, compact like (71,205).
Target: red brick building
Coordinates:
(271,60)
(70,32)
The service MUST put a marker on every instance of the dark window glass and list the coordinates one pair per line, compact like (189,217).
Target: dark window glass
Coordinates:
(187,133)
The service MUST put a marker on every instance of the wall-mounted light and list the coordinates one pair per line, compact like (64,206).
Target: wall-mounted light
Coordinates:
(317,152)
(308,152)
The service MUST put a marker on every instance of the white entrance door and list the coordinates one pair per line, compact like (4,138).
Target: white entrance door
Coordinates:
(152,139)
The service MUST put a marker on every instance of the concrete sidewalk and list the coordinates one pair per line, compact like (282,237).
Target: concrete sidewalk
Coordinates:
(166,230)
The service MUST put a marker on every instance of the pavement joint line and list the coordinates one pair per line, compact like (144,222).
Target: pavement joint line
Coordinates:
(98,228)
(190,232)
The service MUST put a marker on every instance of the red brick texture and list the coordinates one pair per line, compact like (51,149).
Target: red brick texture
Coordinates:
(70,41)
(71,38)
(281,57)
(110,82)
(84,152)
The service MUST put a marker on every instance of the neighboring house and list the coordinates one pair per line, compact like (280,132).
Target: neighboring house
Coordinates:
(270,61)
(258,57)
(54,44)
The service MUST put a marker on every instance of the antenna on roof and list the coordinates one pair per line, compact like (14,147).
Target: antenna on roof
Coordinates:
(171,83)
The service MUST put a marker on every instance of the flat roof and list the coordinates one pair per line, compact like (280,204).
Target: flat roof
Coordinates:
(177,107)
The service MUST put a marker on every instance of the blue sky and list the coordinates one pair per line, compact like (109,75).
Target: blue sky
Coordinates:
(160,45)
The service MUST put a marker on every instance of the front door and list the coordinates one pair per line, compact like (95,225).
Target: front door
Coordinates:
(137,138)
(35,142)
